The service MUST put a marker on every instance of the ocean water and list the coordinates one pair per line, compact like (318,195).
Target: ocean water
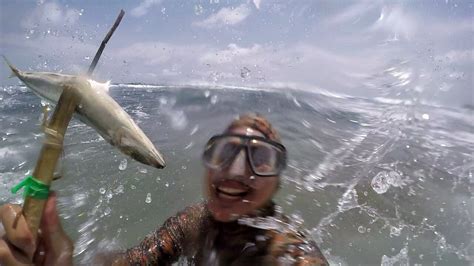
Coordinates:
(376,181)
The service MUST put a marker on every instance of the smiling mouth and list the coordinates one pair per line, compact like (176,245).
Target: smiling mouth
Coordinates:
(227,192)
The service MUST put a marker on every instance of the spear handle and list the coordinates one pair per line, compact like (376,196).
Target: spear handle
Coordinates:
(49,155)
(53,144)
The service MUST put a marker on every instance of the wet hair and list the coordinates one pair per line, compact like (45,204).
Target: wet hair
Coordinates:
(257,122)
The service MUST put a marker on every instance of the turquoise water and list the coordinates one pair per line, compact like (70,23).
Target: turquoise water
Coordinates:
(376,181)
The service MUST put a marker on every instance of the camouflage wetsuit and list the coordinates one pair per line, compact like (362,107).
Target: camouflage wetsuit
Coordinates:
(195,235)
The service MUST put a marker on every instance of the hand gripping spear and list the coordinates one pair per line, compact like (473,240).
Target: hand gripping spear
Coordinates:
(92,104)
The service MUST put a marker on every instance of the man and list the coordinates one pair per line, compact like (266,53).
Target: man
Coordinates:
(238,224)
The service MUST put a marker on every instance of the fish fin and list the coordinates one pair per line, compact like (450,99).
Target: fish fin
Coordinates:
(102,86)
(15,71)
(107,86)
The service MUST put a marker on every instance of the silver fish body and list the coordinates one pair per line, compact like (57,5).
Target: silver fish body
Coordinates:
(98,110)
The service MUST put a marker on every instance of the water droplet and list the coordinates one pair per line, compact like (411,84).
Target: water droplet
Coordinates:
(361,229)
(348,200)
(109,195)
(119,189)
(191,144)
(81,12)
(133,187)
(290,198)
(244,72)
(167,184)
(395,231)
(107,211)
(297,219)
(309,187)
(426,116)
(441,209)
(184,167)
(207,94)
(198,9)
(306,124)
(87,57)
(123,165)
(252,177)
(163,101)
(380,183)
(148,198)
(163,10)
(102,190)
(41,117)
(158,179)
(143,170)
(214,99)
(194,130)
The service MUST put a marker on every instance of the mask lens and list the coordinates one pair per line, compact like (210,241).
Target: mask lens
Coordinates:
(221,150)
(265,157)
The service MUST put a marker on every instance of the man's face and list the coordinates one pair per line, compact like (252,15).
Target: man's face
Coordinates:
(235,191)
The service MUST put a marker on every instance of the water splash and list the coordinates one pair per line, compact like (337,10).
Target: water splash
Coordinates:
(337,146)
(400,259)
(198,10)
(123,164)
(148,198)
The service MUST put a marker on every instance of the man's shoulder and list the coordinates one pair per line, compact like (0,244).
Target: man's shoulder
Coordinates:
(197,209)
(295,243)
(195,214)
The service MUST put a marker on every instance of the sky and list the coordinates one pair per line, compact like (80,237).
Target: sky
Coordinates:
(410,50)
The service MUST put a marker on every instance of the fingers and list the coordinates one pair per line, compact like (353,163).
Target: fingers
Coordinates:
(51,228)
(16,229)
(10,256)
(50,220)
(58,246)
(17,247)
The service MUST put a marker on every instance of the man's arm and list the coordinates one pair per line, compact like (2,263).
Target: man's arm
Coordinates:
(175,238)
(295,247)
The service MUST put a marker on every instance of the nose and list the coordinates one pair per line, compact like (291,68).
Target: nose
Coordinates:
(238,167)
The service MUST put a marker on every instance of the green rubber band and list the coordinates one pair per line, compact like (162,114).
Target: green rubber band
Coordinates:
(32,188)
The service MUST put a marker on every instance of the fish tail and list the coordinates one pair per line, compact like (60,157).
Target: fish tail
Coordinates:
(15,71)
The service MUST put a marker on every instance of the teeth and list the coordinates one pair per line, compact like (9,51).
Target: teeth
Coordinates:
(229,190)
(226,196)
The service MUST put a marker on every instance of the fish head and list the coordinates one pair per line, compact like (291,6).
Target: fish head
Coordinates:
(133,142)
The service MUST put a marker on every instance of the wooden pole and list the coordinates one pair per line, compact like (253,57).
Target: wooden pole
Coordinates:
(49,155)
(104,42)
